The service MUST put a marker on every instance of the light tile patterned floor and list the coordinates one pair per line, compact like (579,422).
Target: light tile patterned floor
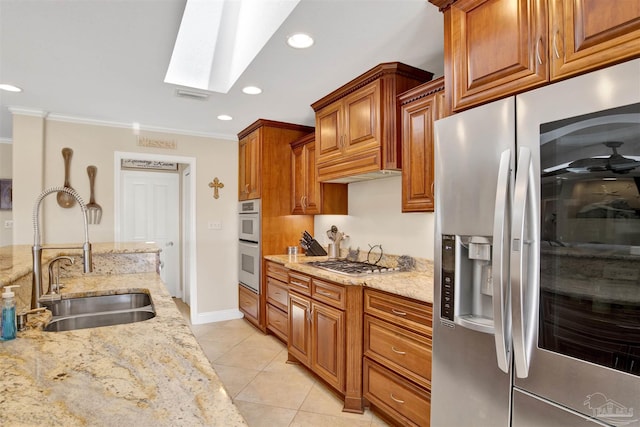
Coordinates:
(268,391)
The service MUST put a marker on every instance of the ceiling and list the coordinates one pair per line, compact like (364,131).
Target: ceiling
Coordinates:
(104,61)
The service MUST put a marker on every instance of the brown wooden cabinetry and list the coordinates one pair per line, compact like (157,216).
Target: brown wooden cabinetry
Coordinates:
(357,125)
(308,195)
(420,107)
(264,153)
(397,356)
(325,333)
(277,299)
(248,303)
(495,48)
(249,166)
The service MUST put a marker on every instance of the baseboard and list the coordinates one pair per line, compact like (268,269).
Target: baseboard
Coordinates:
(216,316)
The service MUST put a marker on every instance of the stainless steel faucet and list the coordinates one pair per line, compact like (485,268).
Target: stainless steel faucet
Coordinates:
(54,277)
(36,291)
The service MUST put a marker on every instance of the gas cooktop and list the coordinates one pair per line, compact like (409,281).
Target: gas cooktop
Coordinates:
(352,268)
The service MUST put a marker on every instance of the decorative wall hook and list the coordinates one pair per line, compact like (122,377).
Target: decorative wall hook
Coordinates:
(216,184)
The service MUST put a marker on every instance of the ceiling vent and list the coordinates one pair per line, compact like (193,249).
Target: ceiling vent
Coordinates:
(192,94)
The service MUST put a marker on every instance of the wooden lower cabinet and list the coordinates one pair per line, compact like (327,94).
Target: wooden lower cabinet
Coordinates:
(277,299)
(397,357)
(325,334)
(249,303)
(398,398)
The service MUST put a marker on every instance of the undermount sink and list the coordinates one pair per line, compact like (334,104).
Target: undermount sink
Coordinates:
(103,310)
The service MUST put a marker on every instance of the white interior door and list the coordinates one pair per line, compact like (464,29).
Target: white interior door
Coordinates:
(149,212)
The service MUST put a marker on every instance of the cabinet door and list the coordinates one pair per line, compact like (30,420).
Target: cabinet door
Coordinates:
(299,343)
(298,179)
(329,137)
(417,154)
(361,119)
(328,352)
(249,167)
(312,202)
(498,47)
(589,34)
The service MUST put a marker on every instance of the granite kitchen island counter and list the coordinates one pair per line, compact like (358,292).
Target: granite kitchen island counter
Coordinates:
(149,373)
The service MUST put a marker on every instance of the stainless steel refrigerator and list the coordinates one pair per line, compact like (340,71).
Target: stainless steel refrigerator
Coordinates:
(537,257)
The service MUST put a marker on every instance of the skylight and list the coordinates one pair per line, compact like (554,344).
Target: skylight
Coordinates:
(218,39)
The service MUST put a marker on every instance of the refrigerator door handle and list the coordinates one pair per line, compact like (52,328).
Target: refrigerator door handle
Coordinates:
(524,268)
(500,277)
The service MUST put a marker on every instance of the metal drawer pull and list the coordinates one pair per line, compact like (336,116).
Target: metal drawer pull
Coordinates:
(398,312)
(297,283)
(325,293)
(398,351)
(395,399)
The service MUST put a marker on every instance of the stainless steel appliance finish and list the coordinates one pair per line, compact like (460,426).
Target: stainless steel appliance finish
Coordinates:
(537,257)
(249,224)
(249,244)
(352,268)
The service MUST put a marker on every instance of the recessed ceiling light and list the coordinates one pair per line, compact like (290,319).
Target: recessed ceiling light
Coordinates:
(252,90)
(300,40)
(224,117)
(10,88)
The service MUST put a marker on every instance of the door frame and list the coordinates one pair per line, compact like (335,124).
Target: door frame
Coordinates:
(190,288)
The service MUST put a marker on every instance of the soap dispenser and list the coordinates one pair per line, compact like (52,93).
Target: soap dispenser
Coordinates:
(8,314)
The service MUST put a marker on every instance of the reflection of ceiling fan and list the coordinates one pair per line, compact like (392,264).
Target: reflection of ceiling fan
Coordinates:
(615,163)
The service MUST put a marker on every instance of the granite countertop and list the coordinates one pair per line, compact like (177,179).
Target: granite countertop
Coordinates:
(150,373)
(416,284)
(16,261)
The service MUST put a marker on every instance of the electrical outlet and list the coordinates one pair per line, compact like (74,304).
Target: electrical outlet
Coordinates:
(215,225)
(8,223)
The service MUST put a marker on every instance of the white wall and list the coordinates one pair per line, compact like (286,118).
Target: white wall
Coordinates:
(95,144)
(375,217)
(6,149)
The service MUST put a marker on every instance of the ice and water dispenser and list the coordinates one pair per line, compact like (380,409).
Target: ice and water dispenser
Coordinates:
(467,287)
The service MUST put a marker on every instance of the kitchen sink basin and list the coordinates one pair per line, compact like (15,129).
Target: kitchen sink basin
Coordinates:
(103,310)
(96,304)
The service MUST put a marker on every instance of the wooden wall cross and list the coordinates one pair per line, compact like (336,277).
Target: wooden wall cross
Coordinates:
(216,184)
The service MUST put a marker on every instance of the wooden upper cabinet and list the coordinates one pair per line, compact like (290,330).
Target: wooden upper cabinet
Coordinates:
(308,195)
(249,166)
(496,48)
(263,152)
(589,34)
(357,125)
(420,107)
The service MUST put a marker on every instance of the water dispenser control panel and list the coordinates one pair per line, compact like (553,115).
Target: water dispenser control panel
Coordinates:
(448,277)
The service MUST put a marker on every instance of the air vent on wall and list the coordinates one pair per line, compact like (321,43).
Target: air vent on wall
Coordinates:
(185,93)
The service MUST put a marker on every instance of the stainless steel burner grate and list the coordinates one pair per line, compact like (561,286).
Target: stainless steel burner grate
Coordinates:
(352,268)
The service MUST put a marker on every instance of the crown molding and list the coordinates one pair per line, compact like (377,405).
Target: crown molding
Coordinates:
(96,122)
(123,125)
(22,111)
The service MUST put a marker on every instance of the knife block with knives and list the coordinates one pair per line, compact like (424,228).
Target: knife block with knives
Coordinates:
(311,245)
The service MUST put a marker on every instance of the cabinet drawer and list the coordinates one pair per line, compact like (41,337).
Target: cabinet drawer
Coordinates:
(248,302)
(277,293)
(396,396)
(330,293)
(399,349)
(300,283)
(277,271)
(411,314)
(277,322)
